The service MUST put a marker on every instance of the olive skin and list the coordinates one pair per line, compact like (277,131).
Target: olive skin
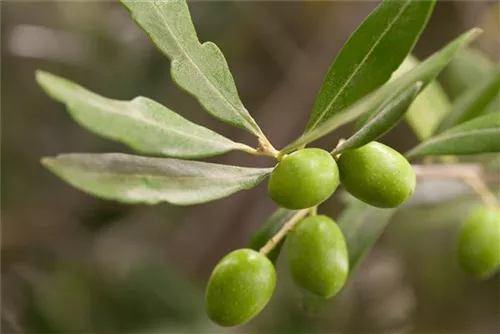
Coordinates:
(241,285)
(377,175)
(479,243)
(304,179)
(317,256)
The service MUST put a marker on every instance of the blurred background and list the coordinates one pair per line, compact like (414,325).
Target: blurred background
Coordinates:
(72,263)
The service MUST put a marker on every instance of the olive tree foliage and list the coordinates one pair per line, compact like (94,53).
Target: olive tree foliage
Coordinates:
(374,80)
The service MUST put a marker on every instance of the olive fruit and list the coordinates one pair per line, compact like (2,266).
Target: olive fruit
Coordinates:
(377,175)
(317,256)
(479,242)
(240,286)
(303,179)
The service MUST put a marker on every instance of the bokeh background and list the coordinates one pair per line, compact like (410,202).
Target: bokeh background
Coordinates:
(72,263)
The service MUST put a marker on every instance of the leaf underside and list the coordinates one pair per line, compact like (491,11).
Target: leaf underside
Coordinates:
(134,179)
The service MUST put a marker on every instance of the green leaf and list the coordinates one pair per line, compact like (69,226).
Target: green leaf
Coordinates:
(424,72)
(382,120)
(200,69)
(141,123)
(267,230)
(134,179)
(430,106)
(480,135)
(371,54)
(473,102)
(469,67)
(362,225)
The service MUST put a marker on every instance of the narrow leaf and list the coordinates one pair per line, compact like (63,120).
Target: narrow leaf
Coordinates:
(372,53)
(143,124)
(200,69)
(382,120)
(480,135)
(430,106)
(135,179)
(268,229)
(469,67)
(362,225)
(473,102)
(425,72)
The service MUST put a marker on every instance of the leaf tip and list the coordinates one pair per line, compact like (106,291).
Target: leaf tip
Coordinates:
(42,77)
(49,82)
(472,34)
(47,162)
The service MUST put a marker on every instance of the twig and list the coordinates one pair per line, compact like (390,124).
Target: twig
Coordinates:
(266,148)
(477,184)
(283,231)
(452,171)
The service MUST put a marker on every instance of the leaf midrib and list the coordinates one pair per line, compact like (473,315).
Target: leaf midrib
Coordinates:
(207,79)
(365,58)
(184,177)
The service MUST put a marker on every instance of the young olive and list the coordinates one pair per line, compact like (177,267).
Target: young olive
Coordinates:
(479,243)
(377,175)
(241,285)
(304,179)
(317,256)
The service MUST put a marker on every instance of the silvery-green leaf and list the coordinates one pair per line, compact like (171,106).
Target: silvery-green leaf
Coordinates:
(134,179)
(473,102)
(424,72)
(372,53)
(200,69)
(382,120)
(141,123)
(480,135)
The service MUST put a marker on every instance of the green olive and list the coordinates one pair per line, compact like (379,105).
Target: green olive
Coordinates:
(317,256)
(479,242)
(241,285)
(304,179)
(377,175)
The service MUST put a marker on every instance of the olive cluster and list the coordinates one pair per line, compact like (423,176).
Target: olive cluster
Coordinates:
(243,282)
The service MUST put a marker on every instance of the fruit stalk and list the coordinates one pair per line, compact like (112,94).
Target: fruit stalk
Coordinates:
(284,230)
